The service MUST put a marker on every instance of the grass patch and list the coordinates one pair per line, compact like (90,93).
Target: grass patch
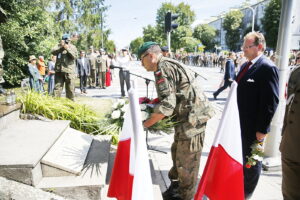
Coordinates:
(86,115)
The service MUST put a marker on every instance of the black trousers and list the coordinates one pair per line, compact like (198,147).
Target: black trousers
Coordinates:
(124,77)
(251,175)
(227,83)
(83,81)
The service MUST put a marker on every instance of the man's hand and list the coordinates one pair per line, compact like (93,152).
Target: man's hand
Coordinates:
(260,136)
(155,117)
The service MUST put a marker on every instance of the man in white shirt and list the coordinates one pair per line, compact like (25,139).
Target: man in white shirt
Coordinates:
(124,74)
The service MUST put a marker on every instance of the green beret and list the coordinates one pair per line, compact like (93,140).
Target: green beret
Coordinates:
(144,47)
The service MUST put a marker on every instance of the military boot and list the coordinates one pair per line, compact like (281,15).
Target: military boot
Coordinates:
(171,191)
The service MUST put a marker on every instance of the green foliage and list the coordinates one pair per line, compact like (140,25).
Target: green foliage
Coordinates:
(182,38)
(29,30)
(82,117)
(151,33)
(185,19)
(270,22)
(232,24)
(33,27)
(206,34)
(135,45)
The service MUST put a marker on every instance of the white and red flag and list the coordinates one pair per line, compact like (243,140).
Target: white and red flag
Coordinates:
(131,176)
(223,177)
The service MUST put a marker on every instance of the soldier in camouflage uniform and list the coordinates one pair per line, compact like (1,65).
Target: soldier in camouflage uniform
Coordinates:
(92,59)
(179,94)
(1,67)
(66,54)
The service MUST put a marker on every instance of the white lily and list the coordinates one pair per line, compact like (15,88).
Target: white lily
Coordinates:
(116,114)
(143,106)
(145,115)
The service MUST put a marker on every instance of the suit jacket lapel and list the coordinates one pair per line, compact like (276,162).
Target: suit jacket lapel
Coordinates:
(253,67)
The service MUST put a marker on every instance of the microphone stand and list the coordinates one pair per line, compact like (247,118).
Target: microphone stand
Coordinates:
(147,81)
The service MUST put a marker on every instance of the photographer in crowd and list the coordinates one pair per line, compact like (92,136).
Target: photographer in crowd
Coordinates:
(66,54)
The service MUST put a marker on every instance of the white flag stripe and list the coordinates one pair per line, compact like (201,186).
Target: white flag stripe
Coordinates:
(142,182)
(229,131)
(127,125)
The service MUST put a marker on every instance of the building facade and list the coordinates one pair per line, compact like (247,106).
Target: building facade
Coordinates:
(259,11)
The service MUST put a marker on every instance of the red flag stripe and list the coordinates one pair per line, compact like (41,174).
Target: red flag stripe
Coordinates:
(120,186)
(221,168)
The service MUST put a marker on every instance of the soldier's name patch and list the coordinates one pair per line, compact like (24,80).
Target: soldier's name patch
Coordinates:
(160,81)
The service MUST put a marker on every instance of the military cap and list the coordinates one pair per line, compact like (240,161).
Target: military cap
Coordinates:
(65,37)
(165,49)
(144,47)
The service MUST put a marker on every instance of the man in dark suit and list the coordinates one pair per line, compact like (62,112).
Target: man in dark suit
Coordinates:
(257,96)
(229,74)
(83,70)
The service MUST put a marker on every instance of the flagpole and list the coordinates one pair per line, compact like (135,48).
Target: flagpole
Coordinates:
(272,153)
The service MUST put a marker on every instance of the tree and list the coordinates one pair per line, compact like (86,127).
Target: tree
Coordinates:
(150,33)
(186,18)
(232,25)
(135,44)
(177,36)
(189,44)
(206,34)
(270,22)
(29,30)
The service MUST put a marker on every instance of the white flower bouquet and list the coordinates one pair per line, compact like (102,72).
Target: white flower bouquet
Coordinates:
(256,154)
(147,108)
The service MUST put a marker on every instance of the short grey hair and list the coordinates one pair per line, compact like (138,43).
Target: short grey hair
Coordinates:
(258,38)
(155,49)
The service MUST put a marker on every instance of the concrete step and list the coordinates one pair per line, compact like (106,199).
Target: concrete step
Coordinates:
(23,144)
(67,154)
(8,115)
(89,183)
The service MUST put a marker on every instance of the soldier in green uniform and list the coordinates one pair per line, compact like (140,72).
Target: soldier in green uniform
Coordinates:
(1,68)
(289,146)
(66,54)
(92,59)
(180,95)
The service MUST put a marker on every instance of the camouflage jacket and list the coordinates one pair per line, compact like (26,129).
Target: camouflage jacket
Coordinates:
(180,94)
(65,59)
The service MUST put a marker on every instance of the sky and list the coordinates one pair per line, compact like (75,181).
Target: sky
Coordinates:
(126,18)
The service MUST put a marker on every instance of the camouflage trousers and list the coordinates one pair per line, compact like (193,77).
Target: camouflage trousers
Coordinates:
(102,79)
(67,79)
(186,161)
(92,78)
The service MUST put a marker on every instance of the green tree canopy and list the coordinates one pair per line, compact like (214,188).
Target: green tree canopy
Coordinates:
(185,19)
(270,22)
(232,25)
(35,27)
(206,34)
(29,30)
(135,44)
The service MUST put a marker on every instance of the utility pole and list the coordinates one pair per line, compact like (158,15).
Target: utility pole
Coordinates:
(102,35)
(282,55)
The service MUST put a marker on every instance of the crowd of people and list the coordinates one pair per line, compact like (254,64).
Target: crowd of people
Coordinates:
(257,99)
(181,96)
(94,69)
